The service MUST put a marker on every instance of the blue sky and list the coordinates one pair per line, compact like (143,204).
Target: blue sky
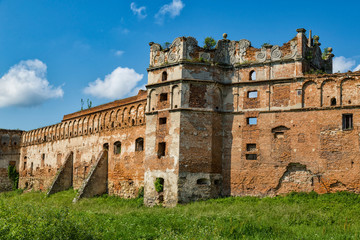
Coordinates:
(54,53)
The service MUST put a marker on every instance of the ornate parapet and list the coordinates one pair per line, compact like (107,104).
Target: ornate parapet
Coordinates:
(226,52)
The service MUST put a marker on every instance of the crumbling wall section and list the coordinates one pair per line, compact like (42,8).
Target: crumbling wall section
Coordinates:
(10,141)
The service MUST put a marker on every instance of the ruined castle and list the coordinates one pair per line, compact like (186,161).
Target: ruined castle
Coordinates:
(230,121)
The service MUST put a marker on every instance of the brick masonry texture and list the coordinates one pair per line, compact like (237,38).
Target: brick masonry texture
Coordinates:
(200,129)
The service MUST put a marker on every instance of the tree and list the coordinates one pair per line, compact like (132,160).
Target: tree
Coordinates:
(209,43)
(89,103)
(166,45)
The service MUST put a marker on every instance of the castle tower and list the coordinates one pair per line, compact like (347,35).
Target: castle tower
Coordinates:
(194,94)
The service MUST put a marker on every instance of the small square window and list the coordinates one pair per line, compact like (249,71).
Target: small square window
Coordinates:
(250,147)
(163,97)
(252,94)
(251,156)
(252,120)
(162,120)
(347,121)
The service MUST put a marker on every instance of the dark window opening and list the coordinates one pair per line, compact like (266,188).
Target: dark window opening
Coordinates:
(333,102)
(175,106)
(202,181)
(251,156)
(117,147)
(161,149)
(347,121)
(25,160)
(163,97)
(132,122)
(217,182)
(162,120)
(139,145)
(252,121)
(43,160)
(164,76)
(252,94)
(250,147)
(252,75)
(106,146)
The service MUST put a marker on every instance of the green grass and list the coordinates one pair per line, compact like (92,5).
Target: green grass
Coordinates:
(296,216)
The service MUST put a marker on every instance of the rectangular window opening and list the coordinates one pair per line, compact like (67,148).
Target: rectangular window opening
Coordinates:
(347,121)
(252,121)
(161,149)
(162,120)
(252,94)
(250,147)
(163,97)
(251,156)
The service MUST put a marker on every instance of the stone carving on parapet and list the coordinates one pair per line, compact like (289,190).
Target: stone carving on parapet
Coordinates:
(191,44)
(175,51)
(205,56)
(261,56)
(293,47)
(275,53)
(157,56)
(222,52)
(243,45)
(232,52)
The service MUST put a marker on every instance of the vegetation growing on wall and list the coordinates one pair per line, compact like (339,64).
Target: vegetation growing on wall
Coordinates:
(13,176)
(159,185)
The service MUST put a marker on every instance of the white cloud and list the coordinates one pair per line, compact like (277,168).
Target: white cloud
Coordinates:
(342,64)
(115,85)
(139,11)
(25,85)
(173,9)
(357,68)
(118,53)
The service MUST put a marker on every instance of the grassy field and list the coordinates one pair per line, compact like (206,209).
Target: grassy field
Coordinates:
(296,216)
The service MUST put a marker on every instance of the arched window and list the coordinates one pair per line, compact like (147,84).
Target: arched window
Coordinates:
(252,75)
(333,102)
(106,146)
(164,76)
(117,147)
(139,145)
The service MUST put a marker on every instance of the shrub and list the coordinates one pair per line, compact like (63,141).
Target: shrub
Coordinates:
(209,43)
(159,184)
